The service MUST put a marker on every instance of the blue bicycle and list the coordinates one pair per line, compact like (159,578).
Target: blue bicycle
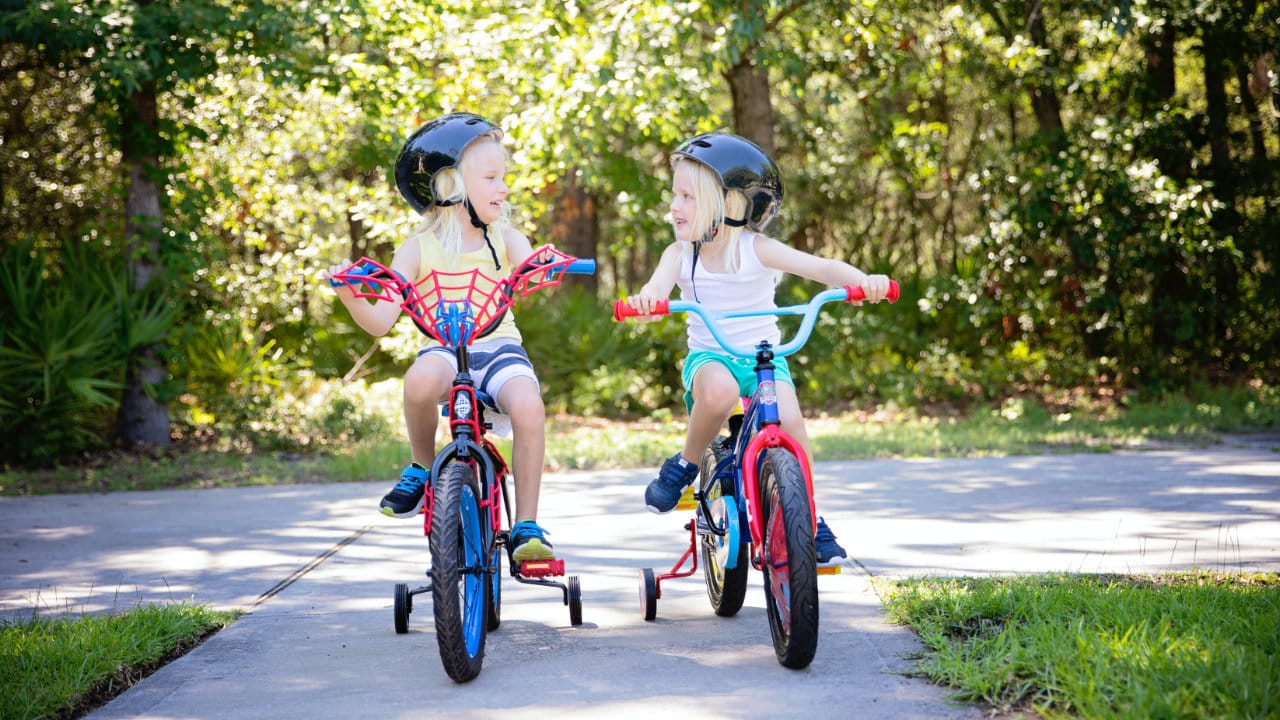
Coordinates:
(469,477)
(754,502)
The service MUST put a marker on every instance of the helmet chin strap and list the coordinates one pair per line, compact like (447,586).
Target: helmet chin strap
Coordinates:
(475,222)
(484,229)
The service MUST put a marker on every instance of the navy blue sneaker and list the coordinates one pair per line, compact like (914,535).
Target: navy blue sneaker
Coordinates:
(663,494)
(529,542)
(830,554)
(405,499)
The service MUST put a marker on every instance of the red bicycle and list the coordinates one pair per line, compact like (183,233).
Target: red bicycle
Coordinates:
(469,476)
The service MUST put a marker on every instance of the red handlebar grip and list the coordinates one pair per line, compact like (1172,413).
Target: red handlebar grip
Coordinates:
(622,310)
(857,293)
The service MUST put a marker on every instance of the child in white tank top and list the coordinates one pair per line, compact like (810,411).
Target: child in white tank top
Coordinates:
(725,190)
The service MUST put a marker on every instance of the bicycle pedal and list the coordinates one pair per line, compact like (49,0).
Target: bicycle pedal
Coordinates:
(541,568)
(833,570)
(687,501)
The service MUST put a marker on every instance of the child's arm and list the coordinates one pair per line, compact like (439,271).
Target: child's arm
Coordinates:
(377,318)
(834,273)
(518,246)
(660,284)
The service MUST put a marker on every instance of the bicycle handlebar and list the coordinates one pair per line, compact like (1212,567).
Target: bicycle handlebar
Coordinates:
(473,302)
(849,293)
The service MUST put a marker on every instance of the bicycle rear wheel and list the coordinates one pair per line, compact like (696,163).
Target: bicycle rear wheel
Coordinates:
(789,561)
(726,587)
(458,558)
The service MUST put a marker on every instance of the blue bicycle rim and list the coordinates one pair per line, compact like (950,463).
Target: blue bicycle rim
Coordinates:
(473,562)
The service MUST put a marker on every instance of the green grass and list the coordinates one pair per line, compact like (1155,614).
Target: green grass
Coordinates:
(66,666)
(1017,427)
(1190,645)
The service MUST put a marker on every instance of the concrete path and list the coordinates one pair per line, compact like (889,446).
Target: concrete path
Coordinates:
(314,565)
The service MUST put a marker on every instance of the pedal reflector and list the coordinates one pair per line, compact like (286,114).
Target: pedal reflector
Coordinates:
(541,568)
(833,570)
(687,501)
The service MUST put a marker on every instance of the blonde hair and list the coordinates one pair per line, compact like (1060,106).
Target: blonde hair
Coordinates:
(447,186)
(712,205)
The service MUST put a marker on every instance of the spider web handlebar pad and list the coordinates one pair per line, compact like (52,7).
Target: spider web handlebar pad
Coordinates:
(457,308)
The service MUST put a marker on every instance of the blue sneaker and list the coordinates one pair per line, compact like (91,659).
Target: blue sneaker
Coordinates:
(830,554)
(528,542)
(406,498)
(663,494)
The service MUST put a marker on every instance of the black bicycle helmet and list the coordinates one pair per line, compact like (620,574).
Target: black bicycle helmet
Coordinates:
(741,165)
(435,147)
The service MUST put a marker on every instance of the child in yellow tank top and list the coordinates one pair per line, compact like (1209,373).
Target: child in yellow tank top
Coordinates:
(452,171)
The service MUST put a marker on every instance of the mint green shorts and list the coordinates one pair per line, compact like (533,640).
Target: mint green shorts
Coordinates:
(742,369)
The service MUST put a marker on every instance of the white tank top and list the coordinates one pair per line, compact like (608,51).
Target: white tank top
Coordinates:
(750,288)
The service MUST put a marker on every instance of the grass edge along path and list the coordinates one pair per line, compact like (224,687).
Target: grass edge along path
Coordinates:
(1177,645)
(65,667)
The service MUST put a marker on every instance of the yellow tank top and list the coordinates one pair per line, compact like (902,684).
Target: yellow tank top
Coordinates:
(433,257)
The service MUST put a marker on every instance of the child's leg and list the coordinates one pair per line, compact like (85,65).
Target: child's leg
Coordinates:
(715,394)
(521,399)
(426,385)
(829,551)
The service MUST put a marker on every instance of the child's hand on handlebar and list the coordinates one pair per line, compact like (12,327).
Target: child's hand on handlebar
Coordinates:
(875,286)
(339,287)
(644,304)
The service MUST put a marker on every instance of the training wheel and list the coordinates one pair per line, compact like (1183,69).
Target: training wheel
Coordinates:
(575,601)
(648,594)
(404,606)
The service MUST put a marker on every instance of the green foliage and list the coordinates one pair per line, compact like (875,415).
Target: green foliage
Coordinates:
(1134,246)
(71,324)
(241,387)
(590,364)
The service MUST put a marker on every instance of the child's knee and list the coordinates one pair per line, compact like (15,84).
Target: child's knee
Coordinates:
(716,395)
(423,387)
(524,404)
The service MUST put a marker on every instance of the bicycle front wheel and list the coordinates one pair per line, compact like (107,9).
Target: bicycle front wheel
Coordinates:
(789,560)
(458,563)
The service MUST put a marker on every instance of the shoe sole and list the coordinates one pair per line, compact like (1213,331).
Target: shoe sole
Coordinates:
(532,550)
(391,513)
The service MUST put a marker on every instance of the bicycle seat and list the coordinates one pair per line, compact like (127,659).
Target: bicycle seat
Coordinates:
(485,399)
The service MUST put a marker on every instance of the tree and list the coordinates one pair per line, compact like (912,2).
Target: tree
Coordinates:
(136,52)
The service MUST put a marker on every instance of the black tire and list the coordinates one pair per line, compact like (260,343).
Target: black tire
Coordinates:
(404,606)
(493,589)
(458,590)
(726,589)
(789,561)
(575,601)
(648,594)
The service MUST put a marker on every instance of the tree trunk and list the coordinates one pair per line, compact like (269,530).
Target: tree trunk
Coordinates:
(1044,97)
(1215,92)
(752,104)
(143,418)
(1260,164)
(575,224)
